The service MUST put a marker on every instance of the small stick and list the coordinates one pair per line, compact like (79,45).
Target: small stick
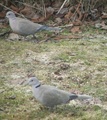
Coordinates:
(76,9)
(44,8)
(13,11)
(62,6)
(29,5)
(69,25)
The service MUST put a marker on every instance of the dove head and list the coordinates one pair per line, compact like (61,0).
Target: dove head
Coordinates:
(10,14)
(33,81)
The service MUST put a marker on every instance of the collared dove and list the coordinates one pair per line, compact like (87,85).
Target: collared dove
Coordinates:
(26,27)
(51,96)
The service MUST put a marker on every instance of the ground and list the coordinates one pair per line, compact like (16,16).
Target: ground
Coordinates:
(75,65)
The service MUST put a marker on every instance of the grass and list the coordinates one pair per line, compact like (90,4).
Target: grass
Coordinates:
(86,73)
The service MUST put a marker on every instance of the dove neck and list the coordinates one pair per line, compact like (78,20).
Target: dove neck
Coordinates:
(38,85)
(13,18)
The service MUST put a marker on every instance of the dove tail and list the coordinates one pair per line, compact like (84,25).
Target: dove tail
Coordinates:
(73,96)
(83,97)
(80,97)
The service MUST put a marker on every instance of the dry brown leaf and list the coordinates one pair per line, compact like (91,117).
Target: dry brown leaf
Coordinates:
(3,25)
(37,18)
(41,19)
(68,16)
(77,23)
(58,20)
(49,10)
(2,14)
(104,16)
(57,4)
(80,15)
(28,12)
(101,25)
(75,29)
(104,27)
(14,8)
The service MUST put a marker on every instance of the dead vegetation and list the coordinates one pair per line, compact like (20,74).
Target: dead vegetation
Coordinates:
(62,11)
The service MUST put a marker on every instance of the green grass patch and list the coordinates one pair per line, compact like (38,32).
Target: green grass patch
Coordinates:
(87,73)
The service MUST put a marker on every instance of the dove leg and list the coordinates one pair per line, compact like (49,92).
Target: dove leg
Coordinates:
(35,39)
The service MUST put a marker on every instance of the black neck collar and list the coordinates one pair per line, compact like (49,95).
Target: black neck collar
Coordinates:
(38,86)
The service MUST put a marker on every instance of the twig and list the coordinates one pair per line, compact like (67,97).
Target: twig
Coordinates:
(89,6)
(69,25)
(46,40)
(95,3)
(13,11)
(44,8)
(37,6)
(62,6)
(77,9)
(28,5)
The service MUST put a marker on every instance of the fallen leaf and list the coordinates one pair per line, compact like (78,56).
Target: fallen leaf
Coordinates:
(77,23)
(28,12)
(2,14)
(68,16)
(104,15)
(75,29)
(14,8)
(58,20)
(50,10)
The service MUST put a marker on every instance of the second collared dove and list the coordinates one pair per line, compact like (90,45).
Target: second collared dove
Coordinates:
(26,27)
(51,96)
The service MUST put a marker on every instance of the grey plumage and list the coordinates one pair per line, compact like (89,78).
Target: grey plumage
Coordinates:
(25,27)
(51,96)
